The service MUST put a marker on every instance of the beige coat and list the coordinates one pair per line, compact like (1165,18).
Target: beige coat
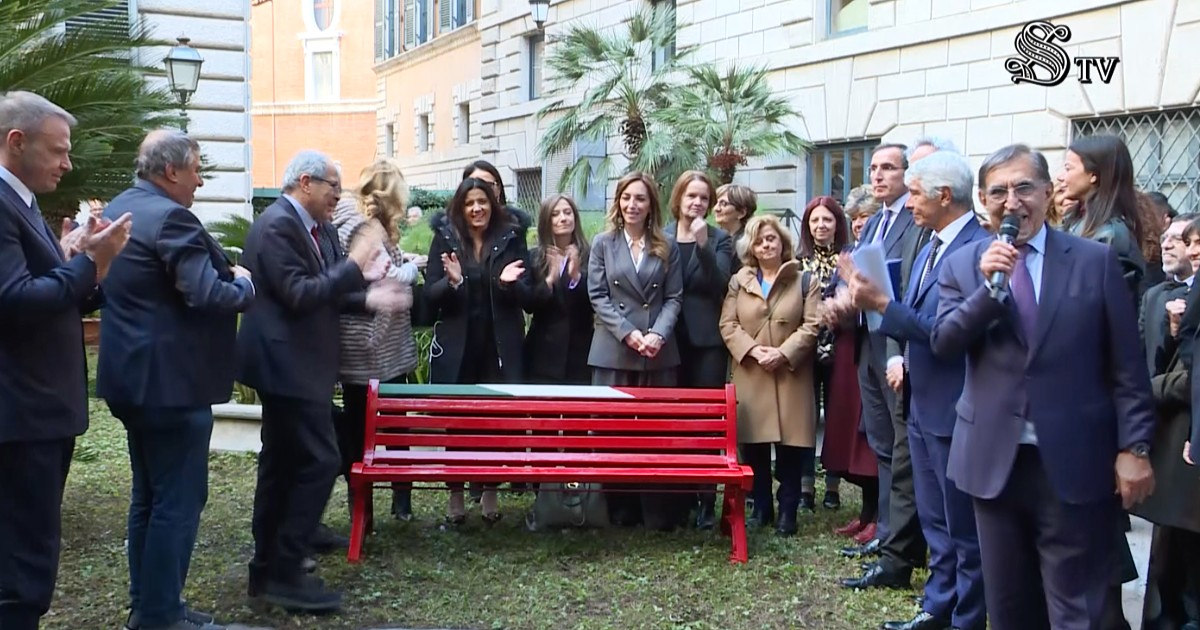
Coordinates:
(779,406)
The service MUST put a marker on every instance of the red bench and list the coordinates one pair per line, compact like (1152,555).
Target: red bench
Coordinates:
(573,434)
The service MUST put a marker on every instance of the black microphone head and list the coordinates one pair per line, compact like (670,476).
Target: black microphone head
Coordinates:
(1010,227)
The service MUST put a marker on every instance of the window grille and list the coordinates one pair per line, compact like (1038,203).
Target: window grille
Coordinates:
(529,189)
(1165,147)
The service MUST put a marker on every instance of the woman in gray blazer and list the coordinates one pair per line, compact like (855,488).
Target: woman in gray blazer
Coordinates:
(636,288)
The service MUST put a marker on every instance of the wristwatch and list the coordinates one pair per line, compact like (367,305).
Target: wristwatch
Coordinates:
(1140,449)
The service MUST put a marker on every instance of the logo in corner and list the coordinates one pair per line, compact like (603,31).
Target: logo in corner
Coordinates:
(1043,62)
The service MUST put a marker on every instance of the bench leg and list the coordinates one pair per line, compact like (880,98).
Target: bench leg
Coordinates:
(362,496)
(735,507)
(727,512)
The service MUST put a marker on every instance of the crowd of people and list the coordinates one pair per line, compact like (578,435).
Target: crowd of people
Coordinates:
(1003,407)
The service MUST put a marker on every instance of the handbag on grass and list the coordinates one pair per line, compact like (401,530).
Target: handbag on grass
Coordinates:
(568,505)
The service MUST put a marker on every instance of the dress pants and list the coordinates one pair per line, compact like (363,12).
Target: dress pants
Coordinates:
(879,403)
(168,455)
(904,545)
(297,467)
(1046,563)
(954,590)
(32,478)
(789,470)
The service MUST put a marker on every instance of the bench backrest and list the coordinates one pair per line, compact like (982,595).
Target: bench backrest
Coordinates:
(552,418)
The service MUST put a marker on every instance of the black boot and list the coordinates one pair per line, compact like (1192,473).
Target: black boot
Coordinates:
(706,515)
(786,525)
(762,515)
(402,502)
(808,502)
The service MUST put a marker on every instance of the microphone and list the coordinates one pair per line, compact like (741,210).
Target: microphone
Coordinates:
(1009,229)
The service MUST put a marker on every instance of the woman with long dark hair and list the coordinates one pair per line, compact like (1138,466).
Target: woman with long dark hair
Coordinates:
(635,282)
(1098,175)
(477,284)
(560,331)
(484,170)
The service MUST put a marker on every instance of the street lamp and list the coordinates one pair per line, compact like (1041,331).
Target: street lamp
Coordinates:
(540,9)
(183,72)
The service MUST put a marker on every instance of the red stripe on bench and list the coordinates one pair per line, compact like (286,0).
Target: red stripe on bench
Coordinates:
(550,475)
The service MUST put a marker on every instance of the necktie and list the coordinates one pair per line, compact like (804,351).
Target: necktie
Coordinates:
(1023,294)
(929,262)
(883,226)
(316,236)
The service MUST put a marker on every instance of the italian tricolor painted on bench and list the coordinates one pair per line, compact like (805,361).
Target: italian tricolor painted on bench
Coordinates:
(511,391)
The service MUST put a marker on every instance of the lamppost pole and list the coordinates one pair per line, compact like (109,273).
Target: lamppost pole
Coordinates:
(183,73)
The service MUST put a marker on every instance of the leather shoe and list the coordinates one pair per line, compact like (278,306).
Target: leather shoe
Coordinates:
(325,540)
(306,593)
(866,534)
(706,516)
(762,516)
(878,577)
(850,529)
(786,525)
(923,621)
(860,551)
(808,502)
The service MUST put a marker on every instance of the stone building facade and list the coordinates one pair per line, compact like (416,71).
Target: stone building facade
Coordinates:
(219,112)
(869,71)
(313,86)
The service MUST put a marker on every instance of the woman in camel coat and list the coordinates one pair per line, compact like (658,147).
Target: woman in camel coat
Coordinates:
(769,323)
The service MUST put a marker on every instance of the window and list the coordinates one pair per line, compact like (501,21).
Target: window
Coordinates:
(836,169)
(423,135)
(322,14)
(847,16)
(386,24)
(114,19)
(417,22)
(661,55)
(463,126)
(529,189)
(464,12)
(389,142)
(321,81)
(537,51)
(1165,147)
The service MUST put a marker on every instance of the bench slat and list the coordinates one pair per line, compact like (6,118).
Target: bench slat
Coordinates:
(596,442)
(552,392)
(632,408)
(421,421)
(520,458)
(738,476)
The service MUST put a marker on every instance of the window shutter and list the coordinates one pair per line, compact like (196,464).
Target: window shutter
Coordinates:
(469,14)
(380,29)
(445,21)
(410,23)
(113,19)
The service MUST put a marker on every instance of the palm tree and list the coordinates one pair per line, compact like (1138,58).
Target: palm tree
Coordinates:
(89,68)
(621,93)
(731,115)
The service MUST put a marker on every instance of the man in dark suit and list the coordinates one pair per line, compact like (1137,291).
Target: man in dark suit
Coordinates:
(288,350)
(45,285)
(898,531)
(169,326)
(1056,406)
(940,187)
(1154,319)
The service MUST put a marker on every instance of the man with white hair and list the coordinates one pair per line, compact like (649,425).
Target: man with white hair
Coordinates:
(45,284)
(288,350)
(168,329)
(940,195)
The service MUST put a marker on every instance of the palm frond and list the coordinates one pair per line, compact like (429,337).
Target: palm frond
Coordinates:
(92,71)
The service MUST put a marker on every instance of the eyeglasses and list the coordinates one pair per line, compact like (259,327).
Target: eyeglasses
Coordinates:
(1024,191)
(336,186)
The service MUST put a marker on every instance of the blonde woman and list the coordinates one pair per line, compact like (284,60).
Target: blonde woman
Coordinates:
(379,345)
(635,283)
(769,322)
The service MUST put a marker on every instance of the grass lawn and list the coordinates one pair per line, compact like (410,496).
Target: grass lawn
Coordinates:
(416,575)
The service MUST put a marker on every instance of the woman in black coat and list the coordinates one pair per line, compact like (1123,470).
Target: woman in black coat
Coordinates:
(476,283)
(560,333)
